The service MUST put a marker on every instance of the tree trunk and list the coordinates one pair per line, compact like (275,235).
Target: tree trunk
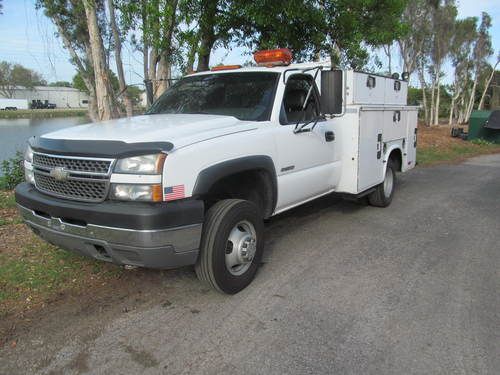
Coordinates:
(207,33)
(424,94)
(193,49)
(470,106)
(163,76)
(387,51)
(118,59)
(104,94)
(436,114)
(452,108)
(487,85)
(204,55)
(433,96)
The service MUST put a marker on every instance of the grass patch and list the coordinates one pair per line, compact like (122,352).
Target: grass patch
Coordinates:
(7,200)
(40,270)
(43,113)
(454,152)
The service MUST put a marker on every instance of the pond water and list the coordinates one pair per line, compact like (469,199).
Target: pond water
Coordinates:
(15,132)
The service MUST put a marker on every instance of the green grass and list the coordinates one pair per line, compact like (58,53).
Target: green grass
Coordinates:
(34,271)
(7,200)
(40,270)
(8,221)
(455,152)
(43,113)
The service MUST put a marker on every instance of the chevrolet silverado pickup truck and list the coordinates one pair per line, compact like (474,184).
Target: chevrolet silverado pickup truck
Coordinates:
(192,181)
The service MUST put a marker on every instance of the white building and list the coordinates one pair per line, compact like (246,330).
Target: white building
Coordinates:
(62,97)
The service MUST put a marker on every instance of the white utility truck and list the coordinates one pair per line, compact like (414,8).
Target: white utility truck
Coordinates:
(192,180)
(13,104)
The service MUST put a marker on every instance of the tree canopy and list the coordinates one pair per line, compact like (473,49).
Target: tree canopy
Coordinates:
(16,75)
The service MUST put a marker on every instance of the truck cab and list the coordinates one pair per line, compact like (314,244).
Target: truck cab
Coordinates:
(191,181)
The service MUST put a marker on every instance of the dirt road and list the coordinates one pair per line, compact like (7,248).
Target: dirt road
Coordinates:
(344,288)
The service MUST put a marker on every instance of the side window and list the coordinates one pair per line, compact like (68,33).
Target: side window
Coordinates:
(296,91)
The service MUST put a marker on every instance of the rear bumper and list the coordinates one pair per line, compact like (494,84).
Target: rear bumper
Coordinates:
(149,235)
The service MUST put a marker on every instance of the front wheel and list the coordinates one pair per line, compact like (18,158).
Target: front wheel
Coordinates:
(382,196)
(231,245)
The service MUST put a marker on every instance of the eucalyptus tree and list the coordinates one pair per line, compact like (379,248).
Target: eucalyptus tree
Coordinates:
(352,25)
(416,30)
(106,105)
(117,38)
(154,25)
(443,29)
(70,20)
(487,82)
(482,51)
(461,60)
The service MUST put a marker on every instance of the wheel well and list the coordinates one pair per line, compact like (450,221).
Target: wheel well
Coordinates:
(396,157)
(252,185)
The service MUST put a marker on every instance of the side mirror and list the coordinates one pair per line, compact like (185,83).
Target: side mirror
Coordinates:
(332,92)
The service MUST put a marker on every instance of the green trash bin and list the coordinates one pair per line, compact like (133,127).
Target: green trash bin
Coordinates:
(477,129)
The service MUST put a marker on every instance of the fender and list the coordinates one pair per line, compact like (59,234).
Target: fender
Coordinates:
(210,175)
(393,146)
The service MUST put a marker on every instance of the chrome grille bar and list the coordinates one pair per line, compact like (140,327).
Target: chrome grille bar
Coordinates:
(87,178)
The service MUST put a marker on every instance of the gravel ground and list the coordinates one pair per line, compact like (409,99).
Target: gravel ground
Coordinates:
(344,288)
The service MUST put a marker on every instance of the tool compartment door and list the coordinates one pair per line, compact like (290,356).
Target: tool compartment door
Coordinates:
(411,140)
(370,148)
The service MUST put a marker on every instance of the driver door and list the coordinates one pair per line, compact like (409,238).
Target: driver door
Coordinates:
(305,159)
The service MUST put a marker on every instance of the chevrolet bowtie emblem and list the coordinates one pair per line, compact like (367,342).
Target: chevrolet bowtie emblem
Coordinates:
(59,174)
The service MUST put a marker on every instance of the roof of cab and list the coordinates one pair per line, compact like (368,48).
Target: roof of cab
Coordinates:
(276,69)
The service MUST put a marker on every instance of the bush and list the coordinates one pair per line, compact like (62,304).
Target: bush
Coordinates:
(12,172)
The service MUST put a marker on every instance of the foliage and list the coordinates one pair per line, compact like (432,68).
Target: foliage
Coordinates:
(14,75)
(265,24)
(12,172)
(60,84)
(134,94)
(350,26)
(43,113)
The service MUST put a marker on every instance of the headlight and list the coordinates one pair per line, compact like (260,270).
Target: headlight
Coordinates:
(135,192)
(28,154)
(29,176)
(143,164)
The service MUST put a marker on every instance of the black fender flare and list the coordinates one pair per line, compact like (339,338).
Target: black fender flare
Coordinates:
(210,175)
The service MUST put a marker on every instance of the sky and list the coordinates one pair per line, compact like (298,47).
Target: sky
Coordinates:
(27,37)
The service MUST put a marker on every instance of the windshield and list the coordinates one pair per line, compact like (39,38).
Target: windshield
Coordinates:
(246,96)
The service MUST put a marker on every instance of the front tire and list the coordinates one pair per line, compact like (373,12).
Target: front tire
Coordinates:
(382,196)
(231,245)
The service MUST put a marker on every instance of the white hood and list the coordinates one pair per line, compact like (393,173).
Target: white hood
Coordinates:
(179,129)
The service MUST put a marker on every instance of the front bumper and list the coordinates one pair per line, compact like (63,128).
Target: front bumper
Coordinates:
(126,233)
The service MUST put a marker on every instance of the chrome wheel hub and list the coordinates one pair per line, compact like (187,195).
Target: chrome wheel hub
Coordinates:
(388,182)
(241,247)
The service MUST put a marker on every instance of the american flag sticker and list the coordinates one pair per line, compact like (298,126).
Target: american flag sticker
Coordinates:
(171,193)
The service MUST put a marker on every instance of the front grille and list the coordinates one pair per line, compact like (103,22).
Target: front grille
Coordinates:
(91,190)
(87,179)
(72,164)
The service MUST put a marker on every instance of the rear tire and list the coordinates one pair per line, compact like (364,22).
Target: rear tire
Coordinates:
(231,245)
(382,196)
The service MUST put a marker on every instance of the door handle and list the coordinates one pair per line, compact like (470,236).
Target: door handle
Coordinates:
(329,136)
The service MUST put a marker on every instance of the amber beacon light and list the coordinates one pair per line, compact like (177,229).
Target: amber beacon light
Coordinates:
(281,56)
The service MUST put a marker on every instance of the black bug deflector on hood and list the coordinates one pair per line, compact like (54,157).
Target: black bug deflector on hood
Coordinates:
(105,148)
